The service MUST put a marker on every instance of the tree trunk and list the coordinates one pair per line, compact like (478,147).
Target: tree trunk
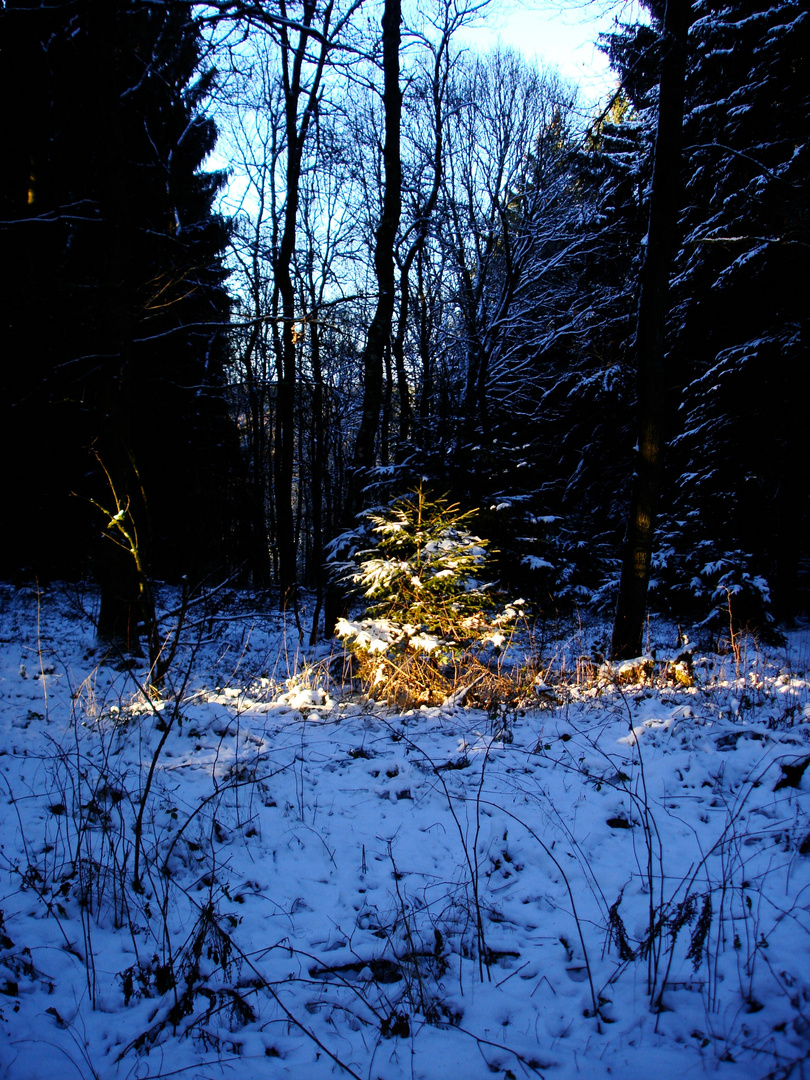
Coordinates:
(379,332)
(121,615)
(398,351)
(628,628)
(297,129)
(257,456)
(318,469)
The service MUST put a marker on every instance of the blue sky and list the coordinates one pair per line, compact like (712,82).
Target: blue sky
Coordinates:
(561,34)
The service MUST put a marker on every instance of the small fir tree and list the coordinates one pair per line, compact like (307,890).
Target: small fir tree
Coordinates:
(430,614)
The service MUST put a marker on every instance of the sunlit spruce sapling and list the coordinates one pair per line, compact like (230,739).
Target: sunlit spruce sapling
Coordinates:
(425,583)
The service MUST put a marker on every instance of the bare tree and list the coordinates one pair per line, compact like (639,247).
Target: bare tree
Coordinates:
(294,49)
(253,133)
(424,155)
(302,68)
(379,332)
(324,263)
(502,111)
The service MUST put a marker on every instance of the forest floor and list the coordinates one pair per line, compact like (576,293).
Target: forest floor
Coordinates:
(264,874)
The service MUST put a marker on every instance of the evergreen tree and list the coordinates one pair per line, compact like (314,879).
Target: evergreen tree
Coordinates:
(115,293)
(585,360)
(577,332)
(429,618)
(741,502)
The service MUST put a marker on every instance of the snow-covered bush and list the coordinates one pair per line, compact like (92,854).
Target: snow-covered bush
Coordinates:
(430,617)
(718,587)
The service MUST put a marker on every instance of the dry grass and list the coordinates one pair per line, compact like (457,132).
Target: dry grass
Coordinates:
(412,679)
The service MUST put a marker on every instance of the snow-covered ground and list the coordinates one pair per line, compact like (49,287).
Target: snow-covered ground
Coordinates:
(265,875)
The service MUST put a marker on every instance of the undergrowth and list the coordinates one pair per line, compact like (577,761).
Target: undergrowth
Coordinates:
(119,846)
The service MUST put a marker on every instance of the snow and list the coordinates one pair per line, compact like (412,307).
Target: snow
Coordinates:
(329,887)
(378,635)
(534,562)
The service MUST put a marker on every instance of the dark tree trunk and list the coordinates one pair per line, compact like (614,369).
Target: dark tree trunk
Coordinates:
(426,402)
(628,628)
(387,409)
(318,468)
(398,350)
(122,615)
(297,129)
(379,332)
(406,416)
(257,455)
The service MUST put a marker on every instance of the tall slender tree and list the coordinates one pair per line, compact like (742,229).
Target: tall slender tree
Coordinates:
(628,628)
(379,331)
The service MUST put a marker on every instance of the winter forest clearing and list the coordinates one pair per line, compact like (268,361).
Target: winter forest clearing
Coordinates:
(405,544)
(610,878)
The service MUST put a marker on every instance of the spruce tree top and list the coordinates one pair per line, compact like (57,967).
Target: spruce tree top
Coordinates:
(426,568)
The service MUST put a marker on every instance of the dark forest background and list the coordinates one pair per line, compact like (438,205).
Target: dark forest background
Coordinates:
(594,329)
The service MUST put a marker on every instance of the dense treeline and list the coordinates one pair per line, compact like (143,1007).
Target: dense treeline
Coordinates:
(431,268)
(115,333)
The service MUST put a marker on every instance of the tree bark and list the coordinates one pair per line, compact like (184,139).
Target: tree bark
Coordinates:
(297,130)
(379,332)
(424,215)
(628,627)
(318,469)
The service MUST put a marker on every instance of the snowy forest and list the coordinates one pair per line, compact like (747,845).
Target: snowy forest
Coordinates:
(434,275)
(404,573)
